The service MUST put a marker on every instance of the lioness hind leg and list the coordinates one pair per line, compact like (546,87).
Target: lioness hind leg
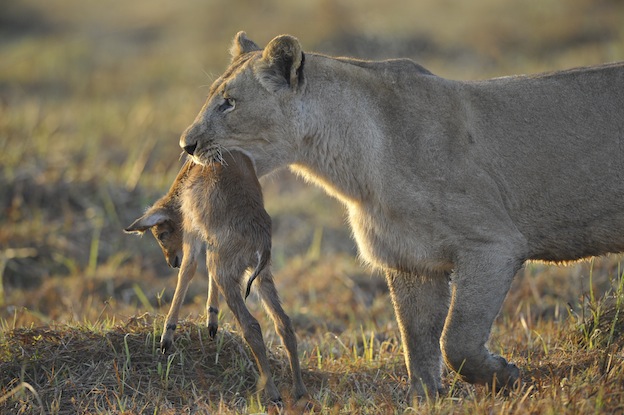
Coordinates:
(479,288)
(421,305)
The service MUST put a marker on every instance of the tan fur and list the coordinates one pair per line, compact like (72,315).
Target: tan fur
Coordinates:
(220,207)
(444,181)
(164,219)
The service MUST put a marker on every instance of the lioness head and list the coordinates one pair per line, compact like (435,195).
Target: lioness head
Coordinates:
(252,107)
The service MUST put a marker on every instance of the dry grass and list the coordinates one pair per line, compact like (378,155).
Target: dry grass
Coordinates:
(92,101)
(117,368)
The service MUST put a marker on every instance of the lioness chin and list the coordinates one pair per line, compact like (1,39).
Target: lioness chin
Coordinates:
(442,180)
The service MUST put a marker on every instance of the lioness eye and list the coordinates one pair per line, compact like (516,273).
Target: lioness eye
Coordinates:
(228,105)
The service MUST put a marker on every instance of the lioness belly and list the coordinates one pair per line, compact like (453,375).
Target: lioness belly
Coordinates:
(593,235)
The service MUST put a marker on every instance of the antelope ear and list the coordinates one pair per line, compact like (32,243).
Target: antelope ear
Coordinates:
(242,44)
(151,218)
(281,65)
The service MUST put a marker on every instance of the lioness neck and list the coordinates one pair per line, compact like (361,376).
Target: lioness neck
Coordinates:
(341,139)
(346,105)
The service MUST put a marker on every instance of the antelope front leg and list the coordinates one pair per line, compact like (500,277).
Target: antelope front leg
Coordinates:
(212,308)
(421,305)
(284,328)
(185,275)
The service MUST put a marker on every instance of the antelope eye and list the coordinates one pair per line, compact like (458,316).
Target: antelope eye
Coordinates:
(228,105)
(163,235)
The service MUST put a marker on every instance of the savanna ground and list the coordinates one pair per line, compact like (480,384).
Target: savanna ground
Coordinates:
(93,97)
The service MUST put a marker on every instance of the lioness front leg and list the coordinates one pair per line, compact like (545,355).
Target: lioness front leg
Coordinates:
(421,305)
(480,285)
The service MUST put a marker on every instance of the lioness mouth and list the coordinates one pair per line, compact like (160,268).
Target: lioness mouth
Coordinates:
(209,156)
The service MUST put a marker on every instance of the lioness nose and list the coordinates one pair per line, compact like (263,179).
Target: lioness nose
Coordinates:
(190,148)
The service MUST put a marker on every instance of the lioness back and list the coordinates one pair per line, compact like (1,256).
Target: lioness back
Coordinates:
(560,175)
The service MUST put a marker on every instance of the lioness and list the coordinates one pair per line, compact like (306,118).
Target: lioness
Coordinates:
(220,208)
(442,180)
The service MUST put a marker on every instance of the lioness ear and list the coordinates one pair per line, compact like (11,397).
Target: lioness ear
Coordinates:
(151,218)
(281,65)
(242,44)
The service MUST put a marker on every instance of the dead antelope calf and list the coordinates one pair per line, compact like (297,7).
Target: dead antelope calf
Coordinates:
(220,208)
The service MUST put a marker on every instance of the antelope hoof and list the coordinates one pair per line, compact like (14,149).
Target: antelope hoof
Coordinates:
(212,330)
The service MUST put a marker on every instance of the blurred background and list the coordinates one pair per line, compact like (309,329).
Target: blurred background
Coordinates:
(93,98)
